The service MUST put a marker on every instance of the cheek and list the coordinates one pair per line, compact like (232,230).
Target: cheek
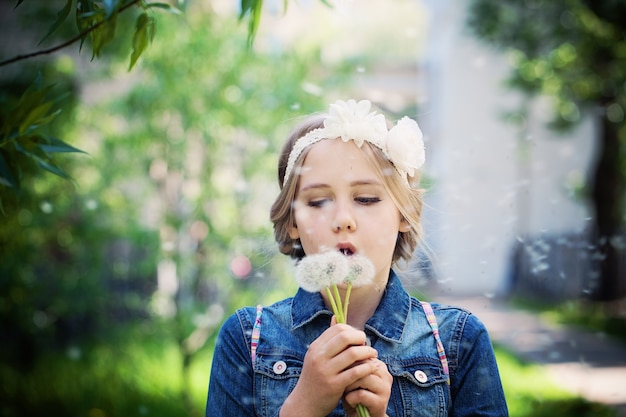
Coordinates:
(312,228)
(308,221)
(386,240)
(384,236)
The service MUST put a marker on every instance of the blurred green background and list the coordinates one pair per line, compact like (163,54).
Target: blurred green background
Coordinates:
(114,281)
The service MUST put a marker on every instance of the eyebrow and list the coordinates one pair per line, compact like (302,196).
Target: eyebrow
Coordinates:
(352,184)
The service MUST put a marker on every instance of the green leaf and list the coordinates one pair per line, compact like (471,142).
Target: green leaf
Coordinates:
(84,12)
(61,16)
(6,176)
(254,20)
(166,7)
(33,110)
(34,93)
(104,33)
(51,166)
(34,116)
(56,145)
(18,3)
(246,6)
(144,33)
(30,147)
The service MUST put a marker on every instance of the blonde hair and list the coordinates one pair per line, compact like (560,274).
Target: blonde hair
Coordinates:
(407,198)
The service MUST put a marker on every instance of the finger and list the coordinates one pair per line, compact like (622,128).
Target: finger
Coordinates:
(337,349)
(373,391)
(356,372)
(354,356)
(379,380)
(340,337)
(361,396)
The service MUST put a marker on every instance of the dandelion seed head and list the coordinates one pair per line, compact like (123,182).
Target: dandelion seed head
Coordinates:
(361,270)
(318,271)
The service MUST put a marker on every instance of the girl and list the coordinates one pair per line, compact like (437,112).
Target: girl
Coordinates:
(348,184)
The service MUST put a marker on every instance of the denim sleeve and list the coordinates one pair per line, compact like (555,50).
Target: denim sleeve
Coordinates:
(476,386)
(230,385)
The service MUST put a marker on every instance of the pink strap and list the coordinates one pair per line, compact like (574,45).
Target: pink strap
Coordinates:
(256,333)
(432,320)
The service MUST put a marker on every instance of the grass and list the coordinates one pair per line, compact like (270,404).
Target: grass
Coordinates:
(531,393)
(137,378)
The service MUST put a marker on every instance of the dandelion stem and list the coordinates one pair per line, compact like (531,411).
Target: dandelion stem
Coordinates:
(333,304)
(339,303)
(362,411)
(346,301)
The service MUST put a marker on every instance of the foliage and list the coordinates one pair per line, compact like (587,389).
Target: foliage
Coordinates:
(137,375)
(197,159)
(24,125)
(567,49)
(99,23)
(68,275)
(176,186)
(24,138)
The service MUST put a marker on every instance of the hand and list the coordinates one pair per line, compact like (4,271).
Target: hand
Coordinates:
(373,391)
(337,359)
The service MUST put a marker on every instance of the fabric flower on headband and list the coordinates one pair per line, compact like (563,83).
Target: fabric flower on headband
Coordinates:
(351,120)
(405,147)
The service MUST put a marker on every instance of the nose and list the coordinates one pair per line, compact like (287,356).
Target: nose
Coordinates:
(343,219)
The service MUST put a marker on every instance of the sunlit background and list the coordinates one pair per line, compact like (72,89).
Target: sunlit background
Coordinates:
(114,283)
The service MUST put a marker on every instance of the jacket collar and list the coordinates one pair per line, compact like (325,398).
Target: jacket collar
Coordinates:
(388,321)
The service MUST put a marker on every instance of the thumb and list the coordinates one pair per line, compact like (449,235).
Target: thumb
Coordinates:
(333,320)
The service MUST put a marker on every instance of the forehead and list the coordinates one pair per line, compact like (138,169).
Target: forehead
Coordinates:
(335,157)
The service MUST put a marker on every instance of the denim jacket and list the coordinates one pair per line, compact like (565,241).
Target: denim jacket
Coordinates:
(398,330)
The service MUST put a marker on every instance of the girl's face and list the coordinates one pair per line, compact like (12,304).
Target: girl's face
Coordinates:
(341,204)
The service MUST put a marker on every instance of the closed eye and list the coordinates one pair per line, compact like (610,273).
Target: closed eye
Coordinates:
(317,203)
(367,200)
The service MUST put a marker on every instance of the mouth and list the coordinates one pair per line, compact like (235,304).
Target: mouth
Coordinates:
(346,249)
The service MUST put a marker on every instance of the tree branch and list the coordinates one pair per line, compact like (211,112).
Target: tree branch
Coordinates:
(65,44)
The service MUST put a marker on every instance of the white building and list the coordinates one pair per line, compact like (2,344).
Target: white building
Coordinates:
(494,183)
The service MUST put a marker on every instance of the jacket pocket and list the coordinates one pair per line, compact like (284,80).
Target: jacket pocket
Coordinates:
(275,376)
(421,386)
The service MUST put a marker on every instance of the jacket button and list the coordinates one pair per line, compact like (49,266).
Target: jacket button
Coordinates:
(421,376)
(279,367)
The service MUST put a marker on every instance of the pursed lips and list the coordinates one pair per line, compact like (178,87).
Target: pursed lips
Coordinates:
(346,248)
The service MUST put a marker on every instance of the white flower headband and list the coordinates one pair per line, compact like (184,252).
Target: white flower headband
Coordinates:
(352,120)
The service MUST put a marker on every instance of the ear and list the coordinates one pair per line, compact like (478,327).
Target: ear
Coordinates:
(293,232)
(404,226)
